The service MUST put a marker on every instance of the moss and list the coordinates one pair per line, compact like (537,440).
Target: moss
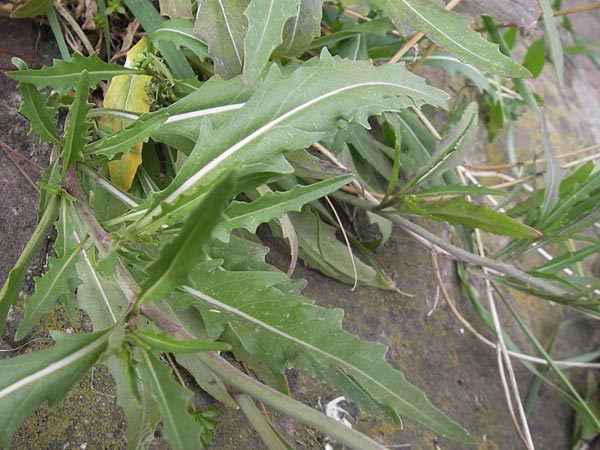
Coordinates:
(88,417)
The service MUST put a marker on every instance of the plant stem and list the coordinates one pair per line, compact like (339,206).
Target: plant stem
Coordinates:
(237,380)
(576,9)
(99,235)
(540,348)
(344,435)
(259,422)
(463,255)
(229,374)
(520,85)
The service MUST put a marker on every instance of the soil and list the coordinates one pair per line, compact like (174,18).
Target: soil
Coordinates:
(425,342)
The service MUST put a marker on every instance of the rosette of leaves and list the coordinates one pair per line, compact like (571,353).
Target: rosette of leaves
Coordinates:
(171,267)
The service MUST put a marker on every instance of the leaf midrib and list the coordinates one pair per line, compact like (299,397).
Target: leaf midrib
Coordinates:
(190,182)
(54,367)
(205,297)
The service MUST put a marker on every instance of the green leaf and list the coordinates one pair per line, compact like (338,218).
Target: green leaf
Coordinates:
(554,172)
(98,296)
(66,74)
(292,111)
(61,279)
(379,26)
(310,166)
(32,8)
(179,428)
(150,19)
(450,150)
(170,270)
(176,9)
(320,249)
(310,338)
(222,25)
(78,130)
(266,21)
(181,33)
(535,58)
(568,259)
(190,320)
(42,118)
(301,29)
(416,142)
(553,35)
(216,99)
(28,380)
(12,285)
(458,189)
(141,413)
(451,31)
(122,141)
(370,149)
(163,343)
(274,205)
(454,66)
(460,211)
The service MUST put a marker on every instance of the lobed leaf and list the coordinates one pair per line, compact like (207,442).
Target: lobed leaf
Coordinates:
(222,25)
(28,380)
(217,99)
(449,30)
(78,130)
(274,205)
(179,428)
(299,31)
(66,74)
(42,118)
(290,111)
(266,21)
(310,338)
(170,270)
(181,33)
(122,141)
(61,279)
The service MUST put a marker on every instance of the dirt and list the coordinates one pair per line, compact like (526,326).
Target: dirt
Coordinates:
(425,342)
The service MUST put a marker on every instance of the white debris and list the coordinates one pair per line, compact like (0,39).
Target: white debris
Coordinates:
(336,413)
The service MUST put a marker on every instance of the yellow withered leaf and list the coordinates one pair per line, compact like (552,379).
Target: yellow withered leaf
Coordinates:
(128,93)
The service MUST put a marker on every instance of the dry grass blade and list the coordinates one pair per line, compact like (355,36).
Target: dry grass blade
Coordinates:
(64,13)
(471,329)
(417,37)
